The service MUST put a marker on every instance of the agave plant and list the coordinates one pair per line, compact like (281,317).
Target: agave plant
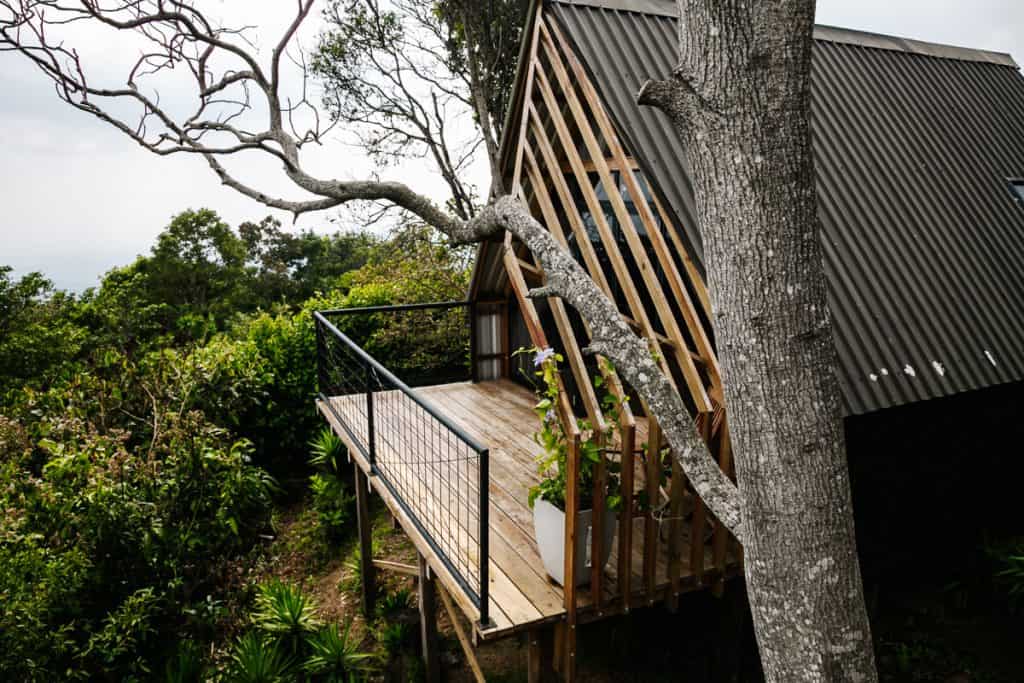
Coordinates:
(286,613)
(395,636)
(327,451)
(257,659)
(338,658)
(393,603)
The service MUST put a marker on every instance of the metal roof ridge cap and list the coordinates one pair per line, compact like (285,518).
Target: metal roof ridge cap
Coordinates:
(832,34)
(664,8)
(882,41)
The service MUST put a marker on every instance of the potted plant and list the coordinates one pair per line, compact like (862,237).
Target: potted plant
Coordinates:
(547,498)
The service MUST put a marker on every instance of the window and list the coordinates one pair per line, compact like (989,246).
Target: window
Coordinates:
(1017,188)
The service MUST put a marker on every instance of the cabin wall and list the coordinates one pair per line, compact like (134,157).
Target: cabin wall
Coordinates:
(934,482)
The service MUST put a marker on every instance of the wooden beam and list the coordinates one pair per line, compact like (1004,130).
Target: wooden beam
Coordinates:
(366,570)
(668,320)
(532,270)
(537,336)
(428,623)
(597,522)
(467,646)
(558,311)
(612,163)
(571,509)
(555,227)
(539,651)
(653,482)
(527,96)
(636,305)
(627,446)
(396,567)
(565,198)
(675,525)
(628,175)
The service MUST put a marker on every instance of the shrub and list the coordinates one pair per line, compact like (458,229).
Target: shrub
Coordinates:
(286,613)
(330,497)
(103,542)
(337,658)
(258,659)
(1009,560)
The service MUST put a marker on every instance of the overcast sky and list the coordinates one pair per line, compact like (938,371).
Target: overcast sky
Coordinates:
(79,198)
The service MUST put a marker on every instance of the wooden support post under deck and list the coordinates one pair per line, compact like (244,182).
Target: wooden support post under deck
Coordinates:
(540,647)
(597,522)
(675,559)
(428,623)
(628,444)
(366,568)
(653,477)
(571,509)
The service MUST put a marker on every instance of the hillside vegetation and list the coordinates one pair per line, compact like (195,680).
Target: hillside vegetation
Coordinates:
(152,431)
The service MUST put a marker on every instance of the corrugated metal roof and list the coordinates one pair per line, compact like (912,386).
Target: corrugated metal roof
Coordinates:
(914,143)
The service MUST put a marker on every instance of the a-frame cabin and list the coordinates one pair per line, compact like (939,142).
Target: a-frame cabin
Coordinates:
(919,151)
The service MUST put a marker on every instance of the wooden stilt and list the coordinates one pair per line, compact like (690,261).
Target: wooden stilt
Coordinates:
(428,623)
(366,568)
(539,654)
(559,649)
(467,646)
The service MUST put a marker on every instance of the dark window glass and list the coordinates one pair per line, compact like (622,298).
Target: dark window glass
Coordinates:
(1017,188)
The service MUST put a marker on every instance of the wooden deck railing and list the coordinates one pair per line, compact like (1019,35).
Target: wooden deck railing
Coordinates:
(435,471)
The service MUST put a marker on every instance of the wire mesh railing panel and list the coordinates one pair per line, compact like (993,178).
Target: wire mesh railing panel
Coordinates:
(434,470)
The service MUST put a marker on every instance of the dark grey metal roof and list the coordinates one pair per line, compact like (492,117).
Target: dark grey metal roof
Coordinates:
(913,142)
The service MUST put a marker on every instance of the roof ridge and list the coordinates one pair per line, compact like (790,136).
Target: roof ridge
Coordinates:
(829,34)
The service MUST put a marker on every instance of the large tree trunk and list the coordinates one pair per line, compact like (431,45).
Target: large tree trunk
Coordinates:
(741,102)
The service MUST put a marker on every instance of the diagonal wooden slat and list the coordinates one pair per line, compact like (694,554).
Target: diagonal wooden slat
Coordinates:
(694,382)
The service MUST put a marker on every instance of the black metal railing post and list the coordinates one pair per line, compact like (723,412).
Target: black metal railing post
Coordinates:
(321,351)
(473,344)
(484,534)
(370,436)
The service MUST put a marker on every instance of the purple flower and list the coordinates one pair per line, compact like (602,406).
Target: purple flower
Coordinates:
(542,356)
(550,415)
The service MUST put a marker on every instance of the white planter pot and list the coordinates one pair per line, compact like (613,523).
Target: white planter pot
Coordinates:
(549,530)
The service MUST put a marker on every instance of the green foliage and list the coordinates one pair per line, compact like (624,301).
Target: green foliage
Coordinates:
(552,464)
(285,612)
(330,497)
(186,666)
(414,266)
(39,332)
(337,658)
(125,631)
(109,536)
(139,426)
(327,451)
(393,603)
(288,641)
(394,636)
(1009,560)
(259,659)
(492,33)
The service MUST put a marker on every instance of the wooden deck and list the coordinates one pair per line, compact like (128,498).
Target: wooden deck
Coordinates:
(499,414)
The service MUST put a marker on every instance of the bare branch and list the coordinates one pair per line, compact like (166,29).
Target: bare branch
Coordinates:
(182,35)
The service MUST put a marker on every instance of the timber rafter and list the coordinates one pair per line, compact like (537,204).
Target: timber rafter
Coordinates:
(573,169)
